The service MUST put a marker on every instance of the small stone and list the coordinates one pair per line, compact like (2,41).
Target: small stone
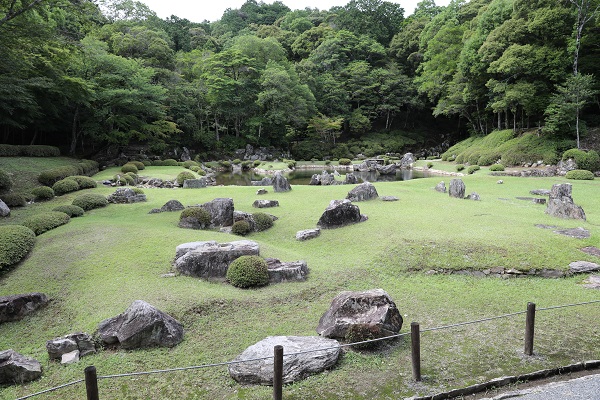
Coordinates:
(261,191)
(389,198)
(70,358)
(580,267)
(500,182)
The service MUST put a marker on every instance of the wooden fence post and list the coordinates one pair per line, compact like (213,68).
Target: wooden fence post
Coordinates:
(529,329)
(91,383)
(278,372)
(416,350)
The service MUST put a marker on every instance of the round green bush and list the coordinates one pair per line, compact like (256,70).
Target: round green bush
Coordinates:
(138,164)
(225,164)
(592,161)
(14,200)
(345,161)
(237,161)
(129,167)
(84,182)
(429,165)
(198,213)
(240,228)
(90,201)
(51,176)
(123,180)
(189,164)
(147,163)
(138,190)
(183,176)
(65,186)
(460,167)
(246,165)
(169,162)
(497,167)
(15,242)
(262,221)
(580,175)
(248,271)
(133,176)
(71,210)
(43,222)
(6,182)
(195,168)
(201,172)
(576,154)
(357,333)
(473,168)
(256,163)
(42,193)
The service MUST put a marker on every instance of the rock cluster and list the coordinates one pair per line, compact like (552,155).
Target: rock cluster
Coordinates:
(125,196)
(71,347)
(17,306)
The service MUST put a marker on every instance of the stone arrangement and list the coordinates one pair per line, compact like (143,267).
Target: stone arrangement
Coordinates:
(70,348)
(125,196)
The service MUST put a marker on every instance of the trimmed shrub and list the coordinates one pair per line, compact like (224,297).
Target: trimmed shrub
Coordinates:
(460,167)
(169,162)
(46,221)
(262,221)
(189,164)
(576,154)
(6,182)
(138,164)
(592,161)
(237,161)
(473,168)
(488,159)
(345,161)
(13,200)
(183,176)
(123,180)
(580,175)
(362,332)
(256,163)
(497,167)
(247,164)
(39,151)
(90,201)
(129,167)
(198,213)
(248,271)
(225,164)
(134,177)
(65,186)
(138,190)
(147,163)
(195,168)
(16,241)
(84,182)
(42,193)
(9,150)
(51,176)
(240,228)
(71,210)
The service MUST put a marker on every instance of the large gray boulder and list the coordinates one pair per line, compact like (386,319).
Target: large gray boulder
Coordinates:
(81,342)
(561,203)
(583,267)
(266,181)
(210,260)
(407,160)
(15,368)
(125,196)
(364,191)
(172,205)
(16,306)
(220,210)
(140,326)
(280,183)
(294,271)
(457,189)
(340,213)
(389,169)
(4,210)
(295,366)
(372,307)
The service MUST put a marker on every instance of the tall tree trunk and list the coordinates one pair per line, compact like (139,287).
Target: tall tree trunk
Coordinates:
(74,131)
(499,121)
(217,138)
(33,139)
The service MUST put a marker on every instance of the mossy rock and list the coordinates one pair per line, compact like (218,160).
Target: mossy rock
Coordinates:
(90,201)
(198,216)
(71,210)
(248,271)
(43,222)
(16,241)
(65,186)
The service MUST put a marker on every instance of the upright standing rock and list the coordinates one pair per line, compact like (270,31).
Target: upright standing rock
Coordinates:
(280,183)
(441,187)
(561,203)
(457,189)
(220,210)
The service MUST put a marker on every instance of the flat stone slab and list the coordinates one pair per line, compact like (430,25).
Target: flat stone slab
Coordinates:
(265,203)
(593,282)
(577,233)
(540,192)
(581,267)
(294,271)
(308,234)
(295,366)
(389,198)
(591,250)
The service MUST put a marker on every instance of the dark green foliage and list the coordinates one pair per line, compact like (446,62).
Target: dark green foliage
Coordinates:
(473,158)
(248,271)
(15,242)
(585,160)
(237,161)
(197,213)
(65,186)
(189,164)
(246,165)
(225,164)
(580,175)
(497,167)
(84,182)
(240,228)
(147,163)
(43,193)
(51,176)
(345,161)
(90,201)
(129,167)
(262,221)
(138,190)
(138,164)
(429,164)
(471,170)
(6,181)
(13,200)
(460,167)
(195,168)
(169,162)
(256,163)
(134,177)
(123,180)
(71,210)
(8,150)
(357,333)
(183,176)
(46,221)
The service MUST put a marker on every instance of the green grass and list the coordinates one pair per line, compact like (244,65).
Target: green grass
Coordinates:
(96,265)
(25,170)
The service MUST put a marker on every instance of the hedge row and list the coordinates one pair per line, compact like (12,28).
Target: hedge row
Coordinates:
(9,150)
(51,176)
(15,242)
(46,221)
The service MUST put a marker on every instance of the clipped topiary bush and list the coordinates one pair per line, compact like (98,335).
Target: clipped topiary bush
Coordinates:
(147,163)
(247,164)
(345,161)
(189,164)
(123,180)
(256,163)
(137,190)
(497,167)
(16,241)
(13,200)
(6,182)
(9,150)
(42,193)
(473,168)
(71,210)
(129,167)
(225,164)
(262,221)
(65,186)
(46,221)
(580,175)
(240,228)
(460,167)
(90,201)
(169,162)
(51,176)
(248,271)
(39,151)
(358,333)
(183,176)
(84,182)
(237,161)
(195,168)
(197,213)
(138,164)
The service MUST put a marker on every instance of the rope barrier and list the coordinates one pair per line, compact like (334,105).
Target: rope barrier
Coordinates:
(51,389)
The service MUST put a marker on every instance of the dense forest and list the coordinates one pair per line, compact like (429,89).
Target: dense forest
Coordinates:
(82,74)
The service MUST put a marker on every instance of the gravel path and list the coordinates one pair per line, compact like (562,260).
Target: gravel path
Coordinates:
(584,388)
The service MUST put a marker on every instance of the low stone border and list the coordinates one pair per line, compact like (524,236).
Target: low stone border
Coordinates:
(509,380)
(501,272)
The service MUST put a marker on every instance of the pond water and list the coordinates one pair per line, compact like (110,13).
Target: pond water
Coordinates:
(302,177)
